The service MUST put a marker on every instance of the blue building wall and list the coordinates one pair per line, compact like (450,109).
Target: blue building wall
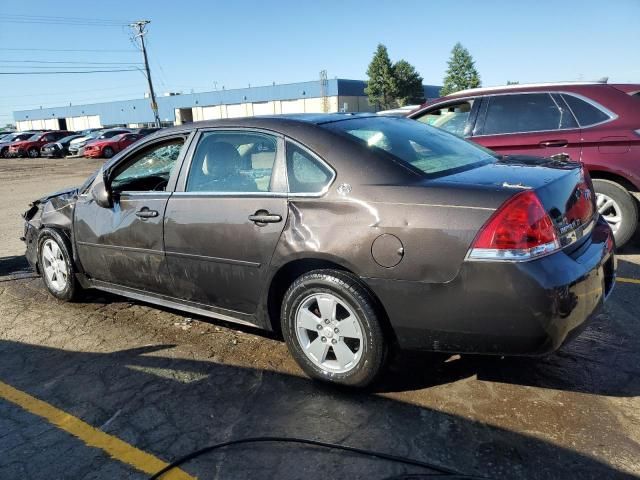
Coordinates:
(139,110)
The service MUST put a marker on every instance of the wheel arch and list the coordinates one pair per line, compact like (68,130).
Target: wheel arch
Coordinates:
(613,177)
(286,274)
(65,236)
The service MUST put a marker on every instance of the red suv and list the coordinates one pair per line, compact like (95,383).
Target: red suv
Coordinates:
(596,123)
(108,147)
(32,145)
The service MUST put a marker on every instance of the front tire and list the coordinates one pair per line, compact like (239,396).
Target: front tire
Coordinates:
(33,152)
(618,208)
(108,152)
(331,324)
(56,266)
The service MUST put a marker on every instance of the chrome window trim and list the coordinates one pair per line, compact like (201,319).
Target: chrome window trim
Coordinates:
(199,134)
(231,194)
(320,160)
(612,116)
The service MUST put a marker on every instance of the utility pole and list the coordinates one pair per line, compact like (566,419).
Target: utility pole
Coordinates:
(139,26)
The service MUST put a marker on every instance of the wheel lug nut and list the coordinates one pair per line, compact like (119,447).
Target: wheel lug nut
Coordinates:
(334,341)
(326,320)
(324,339)
(319,327)
(335,330)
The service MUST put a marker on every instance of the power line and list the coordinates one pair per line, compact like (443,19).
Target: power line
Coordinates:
(43,20)
(53,17)
(63,66)
(86,71)
(67,93)
(102,50)
(70,61)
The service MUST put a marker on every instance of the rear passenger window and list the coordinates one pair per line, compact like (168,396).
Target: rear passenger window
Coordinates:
(305,173)
(586,113)
(532,112)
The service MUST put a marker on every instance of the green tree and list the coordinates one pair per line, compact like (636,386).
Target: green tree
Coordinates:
(462,73)
(409,83)
(382,88)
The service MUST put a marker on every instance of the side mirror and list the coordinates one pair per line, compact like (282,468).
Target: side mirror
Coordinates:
(99,191)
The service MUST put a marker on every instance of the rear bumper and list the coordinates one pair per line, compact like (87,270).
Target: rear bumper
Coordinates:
(526,308)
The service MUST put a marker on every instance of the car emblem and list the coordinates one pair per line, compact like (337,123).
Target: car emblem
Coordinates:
(344,189)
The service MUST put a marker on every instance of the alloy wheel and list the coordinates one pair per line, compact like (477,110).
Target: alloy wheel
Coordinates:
(610,210)
(329,333)
(54,265)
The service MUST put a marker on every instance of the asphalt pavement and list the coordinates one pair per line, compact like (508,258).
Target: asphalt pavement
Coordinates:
(112,388)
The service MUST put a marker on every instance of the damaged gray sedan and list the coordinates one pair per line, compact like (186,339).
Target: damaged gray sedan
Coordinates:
(349,234)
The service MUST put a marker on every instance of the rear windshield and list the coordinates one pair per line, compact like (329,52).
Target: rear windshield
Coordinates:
(431,151)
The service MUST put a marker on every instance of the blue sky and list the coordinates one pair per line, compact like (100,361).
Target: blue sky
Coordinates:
(198,45)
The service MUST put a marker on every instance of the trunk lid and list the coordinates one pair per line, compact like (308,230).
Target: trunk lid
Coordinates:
(564,189)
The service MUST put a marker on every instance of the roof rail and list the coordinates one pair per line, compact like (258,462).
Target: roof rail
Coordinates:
(520,85)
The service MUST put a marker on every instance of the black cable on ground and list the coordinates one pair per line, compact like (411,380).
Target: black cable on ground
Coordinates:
(385,456)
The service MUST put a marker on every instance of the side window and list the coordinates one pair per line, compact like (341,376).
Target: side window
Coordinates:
(586,113)
(453,117)
(148,170)
(531,112)
(305,174)
(226,161)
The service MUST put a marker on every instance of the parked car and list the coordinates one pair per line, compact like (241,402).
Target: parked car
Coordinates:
(349,233)
(60,148)
(5,134)
(146,130)
(6,141)
(108,147)
(400,111)
(31,146)
(595,123)
(76,147)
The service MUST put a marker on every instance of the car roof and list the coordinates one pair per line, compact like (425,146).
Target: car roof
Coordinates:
(282,122)
(520,87)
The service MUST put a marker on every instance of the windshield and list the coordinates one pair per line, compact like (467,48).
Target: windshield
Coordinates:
(427,149)
(33,138)
(68,138)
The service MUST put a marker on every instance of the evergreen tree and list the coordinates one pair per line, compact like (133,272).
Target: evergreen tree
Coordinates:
(462,73)
(381,89)
(409,83)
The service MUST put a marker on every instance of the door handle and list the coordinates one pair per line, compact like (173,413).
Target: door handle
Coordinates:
(553,143)
(262,217)
(144,212)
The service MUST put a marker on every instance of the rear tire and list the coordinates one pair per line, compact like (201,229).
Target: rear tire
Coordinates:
(56,266)
(618,208)
(331,325)
(107,152)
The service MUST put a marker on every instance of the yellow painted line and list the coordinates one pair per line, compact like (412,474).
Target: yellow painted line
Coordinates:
(91,436)
(627,280)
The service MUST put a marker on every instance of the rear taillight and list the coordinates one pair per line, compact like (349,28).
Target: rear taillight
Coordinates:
(519,230)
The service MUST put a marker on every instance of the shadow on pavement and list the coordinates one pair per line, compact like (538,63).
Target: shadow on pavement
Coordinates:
(171,406)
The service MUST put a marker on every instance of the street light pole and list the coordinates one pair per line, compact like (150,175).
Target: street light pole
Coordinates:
(140,27)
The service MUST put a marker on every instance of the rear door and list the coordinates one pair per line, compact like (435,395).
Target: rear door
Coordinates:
(224,220)
(537,123)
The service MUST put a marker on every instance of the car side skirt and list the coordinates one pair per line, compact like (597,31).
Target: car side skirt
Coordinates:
(171,302)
